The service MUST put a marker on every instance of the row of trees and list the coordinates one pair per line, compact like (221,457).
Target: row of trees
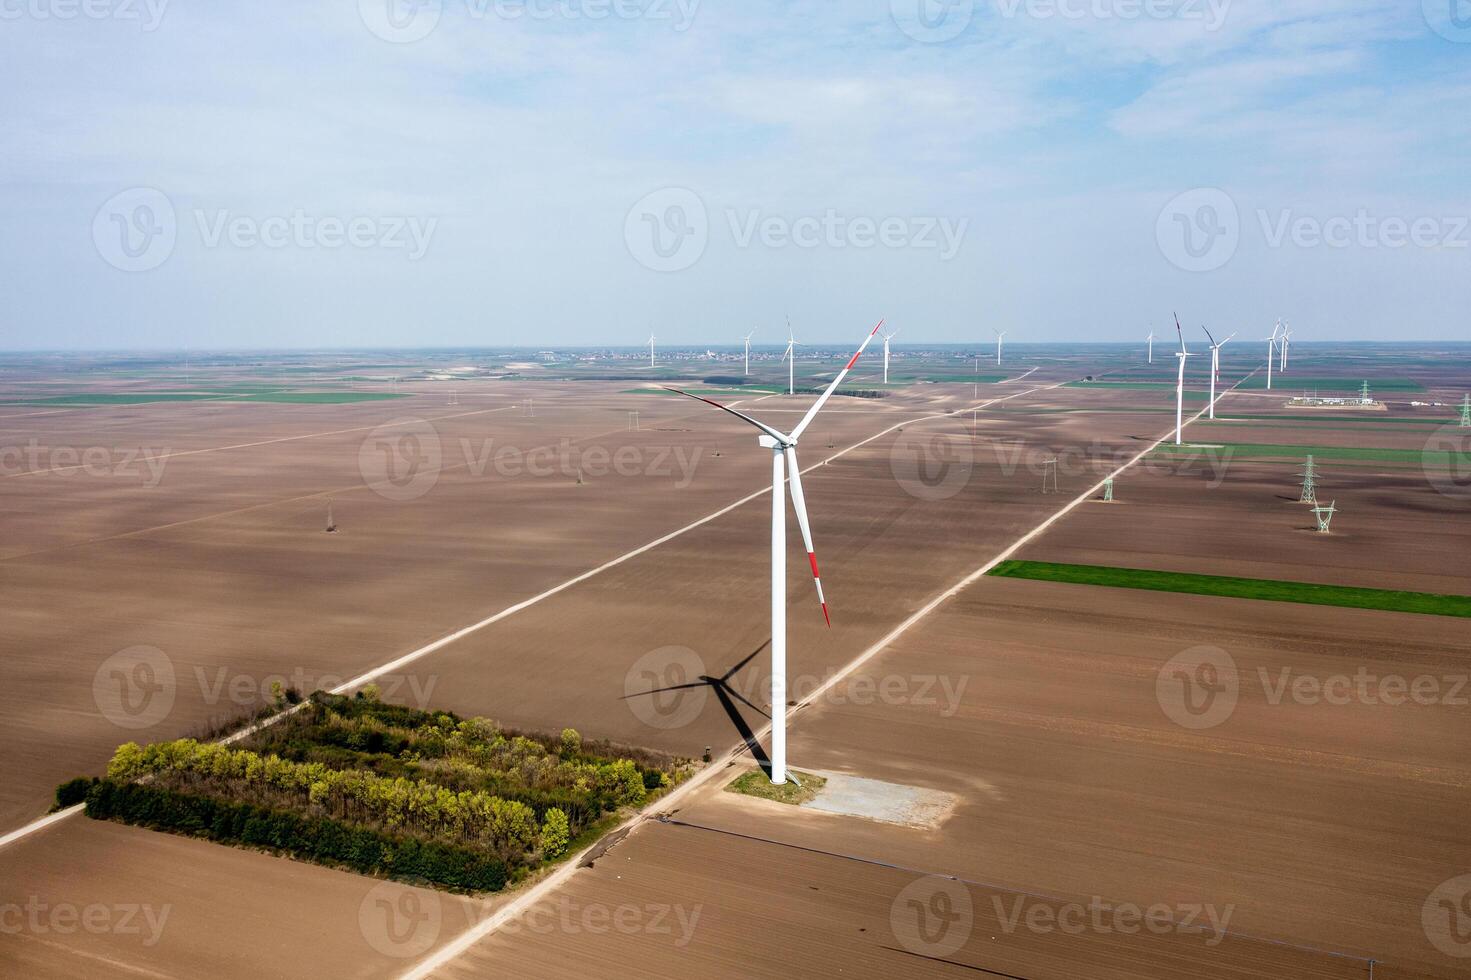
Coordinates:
(507,828)
(311,838)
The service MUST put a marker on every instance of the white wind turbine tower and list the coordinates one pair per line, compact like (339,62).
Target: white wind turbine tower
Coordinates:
(1182,354)
(1150,338)
(791,358)
(651,350)
(748,352)
(783,448)
(888,337)
(1286,342)
(1215,366)
(1272,352)
(999,335)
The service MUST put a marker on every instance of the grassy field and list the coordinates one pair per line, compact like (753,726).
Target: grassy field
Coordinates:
(1247,450)
(1330,416)
(1238,588)
(1293,383)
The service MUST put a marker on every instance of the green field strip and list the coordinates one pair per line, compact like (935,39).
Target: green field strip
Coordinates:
(1296,384)
(1238,450)
(319,397)
(1269,590)
(1325,417)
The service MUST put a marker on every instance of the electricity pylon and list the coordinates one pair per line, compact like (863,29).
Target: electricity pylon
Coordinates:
(1049,475)
(1309,483)
(1466,412)
(1325,516)
(1108,489)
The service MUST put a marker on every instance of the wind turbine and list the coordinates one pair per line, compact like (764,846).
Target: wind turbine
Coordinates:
(651,350)
(888,337)
(1272,352)
(1286,342)
(1182,353)
(791,358)
(999,335)
(748,353)
(783,448)
(1215,366)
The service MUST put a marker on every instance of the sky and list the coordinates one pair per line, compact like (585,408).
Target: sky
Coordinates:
(359,173)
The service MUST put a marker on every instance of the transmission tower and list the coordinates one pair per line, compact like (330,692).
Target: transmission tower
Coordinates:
(1309,482)
(1325,515)
(1466,412)
(1049,475)
(1364,394)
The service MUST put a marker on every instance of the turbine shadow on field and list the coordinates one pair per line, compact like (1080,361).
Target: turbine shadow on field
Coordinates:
(727,695)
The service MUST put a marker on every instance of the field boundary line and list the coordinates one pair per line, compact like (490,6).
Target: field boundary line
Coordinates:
(367,677)
(519,904)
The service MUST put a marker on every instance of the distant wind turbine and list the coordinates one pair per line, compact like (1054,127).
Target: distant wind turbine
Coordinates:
(748,352)
(651,350)
(783,448)
(1182,354)
(999,335)
(888,337)
(1215,366)
(1150,338)
(791,358)
(1272,352)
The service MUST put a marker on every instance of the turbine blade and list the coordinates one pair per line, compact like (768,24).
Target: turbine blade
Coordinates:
(1208,334)
(661,690)
(1180,333)
(799,504)
(741,698)
(740,415)
(822,399)
(749,657)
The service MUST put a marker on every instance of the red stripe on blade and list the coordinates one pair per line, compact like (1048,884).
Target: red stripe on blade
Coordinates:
(813,559)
